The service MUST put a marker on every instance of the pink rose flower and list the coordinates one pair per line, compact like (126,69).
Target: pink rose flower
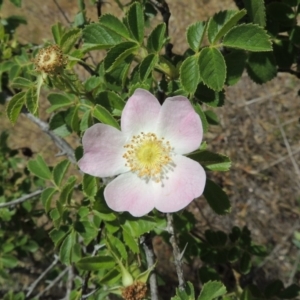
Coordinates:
(148,155)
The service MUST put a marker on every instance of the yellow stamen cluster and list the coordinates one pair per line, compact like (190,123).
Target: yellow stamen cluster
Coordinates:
(148,156)
(51,60)
(136,291)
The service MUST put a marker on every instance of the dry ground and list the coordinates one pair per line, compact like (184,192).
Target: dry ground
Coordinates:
(259,127)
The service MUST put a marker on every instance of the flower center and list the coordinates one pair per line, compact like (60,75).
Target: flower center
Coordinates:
(148,156)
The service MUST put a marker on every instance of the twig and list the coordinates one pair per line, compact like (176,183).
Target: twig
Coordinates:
(147,245)
(176,252)
(62,11)
(287,145)
(21,199)
(99,6)
(60,143)
(69,284)
(52,283)
(35,283)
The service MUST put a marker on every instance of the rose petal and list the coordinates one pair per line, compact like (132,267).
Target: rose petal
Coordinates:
(180,125)
(103,150)
(140,113)
(185,183)
(128,192)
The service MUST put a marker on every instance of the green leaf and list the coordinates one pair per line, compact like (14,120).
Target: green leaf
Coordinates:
(58,101)
(72,118)
(137,227)
(212,161)
(156,38)
(104,116)
(222,22)
(187,294)
(66,250)
(96,36)
(135,20)
(216,198)
(195,34)
(114,24)
(147,66)
(249,37)
(256,11)
(96,263)
(86,121)
(212,68)
(189,74)
(245,263)
(69,39)
(261,67)
(116,246)
(58,235)
(59,125)
(59,171)
(209,97)
(291,292)
(216,238)
(21,83)
(67,191)
(17,3)
(14,106)
(235,63)
(57,32)
(39,168)
(46,197)
(211,117)
(199,111)
(32,100)
(212,290)
(131,242)
(89,185)
(8,261)
(110,100)
(116,55)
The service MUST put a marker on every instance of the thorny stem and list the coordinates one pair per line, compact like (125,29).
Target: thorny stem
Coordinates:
(176,252)
(147,245)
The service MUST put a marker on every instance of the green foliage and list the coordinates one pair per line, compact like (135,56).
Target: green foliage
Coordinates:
(102,245)
(247,37)
(256,11)
(212,68)
(216,198)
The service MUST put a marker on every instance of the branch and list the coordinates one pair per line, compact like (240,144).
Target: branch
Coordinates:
(35,283)
(147,245)
(60,143)
(21,199)
(52,283)
(176,252)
